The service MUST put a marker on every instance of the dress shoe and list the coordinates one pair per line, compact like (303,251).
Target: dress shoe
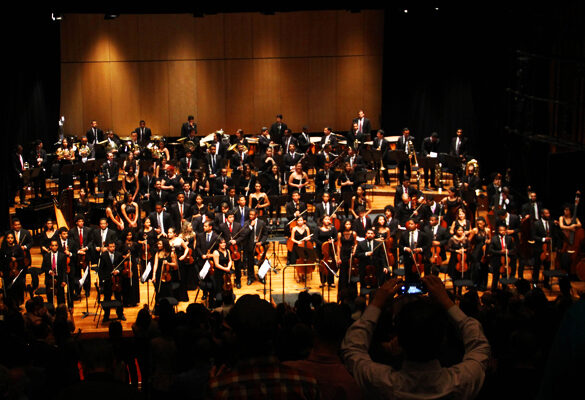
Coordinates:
(204,297)
(250,281)
(262,281)
(238,285)
(332,285)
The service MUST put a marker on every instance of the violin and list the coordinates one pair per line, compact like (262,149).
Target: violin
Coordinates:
(189,258)
(227,282)
(389,245)
(127,267)
(354,263)
(336,221)
(417,266)
(546,251)
(436,258)
(504,262)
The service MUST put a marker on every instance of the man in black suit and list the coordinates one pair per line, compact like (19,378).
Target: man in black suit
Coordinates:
(54,266)
(94,134)
(24,239)
(213,162)
(404,187)
(304,140)
(532,209)
(180,211)
(458,146)
(355,161)
(413,242)
(67,247)
(362,223)
(38,159)
(16,177)
(189,194)
(187,166)
(109,268)
(325,181)
(101,236)
(237,161)
(324,208)
(277,129)
(81,237)
(206,243)
(403,144)
(230,230)
(500,245)
(381,147)
(503,200)
(363,125)
(160,220)
(295,207)
(288,139)
(222,183)
(189,126)
(255,234)
(543,232)
(110,172)
(369,253)
(439,237)
(404,210)
(158,195)
(143,133)
(328,138)
(290,159)
(430,208)
(221,216)
(198,222)
(232,199)
(430,145)
(242,212)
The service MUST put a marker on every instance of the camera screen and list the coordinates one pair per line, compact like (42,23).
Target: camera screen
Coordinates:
(412,290)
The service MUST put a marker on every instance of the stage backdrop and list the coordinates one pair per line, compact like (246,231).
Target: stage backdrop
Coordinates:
(230,71)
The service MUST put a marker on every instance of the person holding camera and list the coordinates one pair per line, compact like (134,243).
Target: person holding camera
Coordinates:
(421,375)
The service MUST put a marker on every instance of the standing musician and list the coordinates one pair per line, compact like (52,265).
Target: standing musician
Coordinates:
(267,161)
(391,221)
(324,156)
(569,224)
(451,204)
(355,161)
(264,140)
(143,133)
(370,253)
(82,242)
(65,156)
(543,234)
(189,128)
(363,124)
(458,245)
(501,245)
(231,199)
(239,159)
(405,211)
(161,220)
(328,138)
(430,145)
(304,140)
(362,222)
(188,193)
(325,181)
(110,279)
(85,152)
(66,246)
(130,213)
(347,182)
(405,187)
(458,148)
(101,236)
(295,207)
(12,269)
(288,139)
(129,270)
(181,250)
(165,261)
(360,200)
(503,200)
(512,224)
(346,245)
(255,236)
(242,211)
(222,183)
(324,208)
(532,209)
(277,129)
(187,166)
(439,237)
(298,235)
(326,232)
(479,240)
(54,267)
(38,159)
(223,265)
(110,172)
(412,243)
(94,134)
(382,233)
(213,162)
(239,138)
(381,146)
(290,159)
(24,240)
(204,246)
(273,184)
(462,222)
(180,211)
(221,217)
(231,232)
(246,181)
(259,201)
(430,208)
(403,144)
(146,238)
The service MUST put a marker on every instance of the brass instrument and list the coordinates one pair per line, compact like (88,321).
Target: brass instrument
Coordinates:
(439,175)
(411,156)
(475,165)
(84,151)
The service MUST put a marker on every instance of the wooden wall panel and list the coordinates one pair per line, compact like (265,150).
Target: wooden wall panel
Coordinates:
(210,115)
(323,31)
(295,36)
(154,33)
(350,33)
(239,96)
(238,35)
(374,32)
(266,91)
(209,37)
(322,93)
(125,97)
(350,90)
(182,42)
(294,86)
(97,94)
(153,90)
(266,35)
(123,38)
(373,89)
(84,37)
(182,93)
(72,98)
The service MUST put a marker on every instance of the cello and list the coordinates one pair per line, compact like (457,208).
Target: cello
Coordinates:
(329,260)
(462,264)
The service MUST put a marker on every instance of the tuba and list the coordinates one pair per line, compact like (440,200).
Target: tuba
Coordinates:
(472,163)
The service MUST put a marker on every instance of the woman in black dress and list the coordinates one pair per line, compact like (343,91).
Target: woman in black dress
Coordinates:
(180,275)
(346,242)
(273,186)
(131,281)
(115,221)
(12,262)
(298,180)
(130,183)
(360,200)
(346,182)
(479,239)
(223,265)
(49,232)
(259,201)
(327,233)
(146,239)
(165,261)
(458,245)
(130,213)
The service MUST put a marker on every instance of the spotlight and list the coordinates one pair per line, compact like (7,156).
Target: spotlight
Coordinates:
(405,11)
(57,16)
(111,16)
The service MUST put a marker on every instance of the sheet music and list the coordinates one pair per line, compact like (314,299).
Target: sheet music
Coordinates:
(205,270)
(146,272)
(432,154)
(84,277)
(263,270)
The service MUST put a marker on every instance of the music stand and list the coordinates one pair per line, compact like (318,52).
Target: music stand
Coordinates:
(310,257)
(110,187)
(427,163)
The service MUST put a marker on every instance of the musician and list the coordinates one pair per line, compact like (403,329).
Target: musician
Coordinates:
(38,159)
(346,244)
(352,135)
(414,242)
(430,208)
(222,183)
(221,217)
(239,138)
(143,133)
(242,211)
(259,201)
(324,208)
(469,199)
(54,266)
(325,180)
(298,180)
(161,220)
(347,182)
(13,270)
(291,158)
(246,181)
(430,145)
(439,237)
(223,265)
(462,222)
(328,138)
(231,199)
(113,142)
(200,183)
(356,162)
(181,250)
(500,245)
(264,140)
(391,221)
(362,222)
(299,234)
(304,140)
(110,269)
(273,184)
(81,238)
(255,235)
(277,129)
(493,189)
(569,224)
(288,139)
(204,246)
(405,187)
(110,172)
(130,275)
(189,128)
(450,205)
(213,161)
(327,232)
(324,156)
(531,209)
(363,124)
(458,146)
(458,245)
(180,211)
(187,166)
(158,195)
(503,200)
(543,234)
(230,230)
(146,186)
(94,134)
(381,146)
(241,157)
(403,145)
(165,261)
(405,211)
(102,235)
(360,200)
(295,207)
(370,253)
(66,156)
(512,224)
(479,240)
(381,234)
(113,214)
(130,184)
(66,247)
(24,240)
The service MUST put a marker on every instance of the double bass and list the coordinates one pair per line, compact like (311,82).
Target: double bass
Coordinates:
(329,260)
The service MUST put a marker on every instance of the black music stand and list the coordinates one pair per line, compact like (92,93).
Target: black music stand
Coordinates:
(110,187)
(310,257)
(427,163)
(452,163)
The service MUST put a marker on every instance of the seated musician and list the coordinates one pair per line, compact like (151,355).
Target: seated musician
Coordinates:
(414,246)
(109,273)
(327,233)
(325,180)
(502,249)
(230,230)
(255,237)
(439,237)
(372,267)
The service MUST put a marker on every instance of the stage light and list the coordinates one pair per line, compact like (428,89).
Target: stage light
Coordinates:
(405,11)
(111,16)
(57,16)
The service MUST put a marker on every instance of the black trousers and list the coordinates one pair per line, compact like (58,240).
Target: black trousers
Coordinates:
(108,292)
